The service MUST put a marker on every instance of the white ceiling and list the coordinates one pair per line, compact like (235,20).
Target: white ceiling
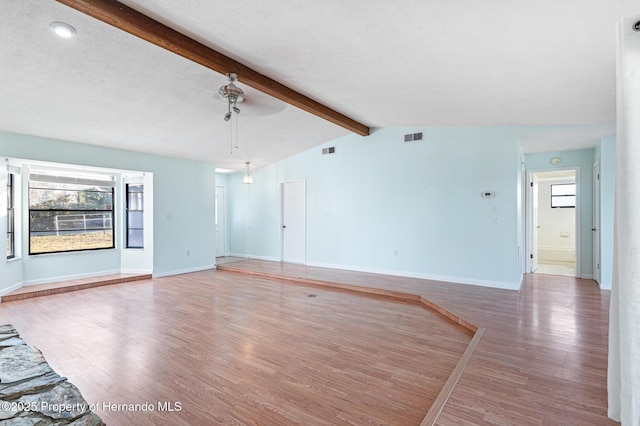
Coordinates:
(410,63)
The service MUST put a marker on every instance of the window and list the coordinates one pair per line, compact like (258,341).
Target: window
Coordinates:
(563,195)
(135,212)
(11,226)
(70,212)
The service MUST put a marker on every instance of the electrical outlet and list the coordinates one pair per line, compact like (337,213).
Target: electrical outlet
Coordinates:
(188,252)
(395,252)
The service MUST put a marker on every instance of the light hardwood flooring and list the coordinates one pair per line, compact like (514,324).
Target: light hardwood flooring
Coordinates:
(236,349)
(542,359)
(30,291)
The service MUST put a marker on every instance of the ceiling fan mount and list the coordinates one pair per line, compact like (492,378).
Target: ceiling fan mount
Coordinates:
(255,103)
(232,94)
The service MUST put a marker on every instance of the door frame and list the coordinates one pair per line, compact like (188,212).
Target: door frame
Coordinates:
(304,213)
(596,223)
(529,214)
(224,219)
(535,222)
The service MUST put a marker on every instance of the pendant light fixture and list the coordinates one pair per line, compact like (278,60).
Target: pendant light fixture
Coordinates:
(247,178)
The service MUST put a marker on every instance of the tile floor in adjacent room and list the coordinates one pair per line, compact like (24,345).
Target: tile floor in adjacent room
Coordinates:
(563,270)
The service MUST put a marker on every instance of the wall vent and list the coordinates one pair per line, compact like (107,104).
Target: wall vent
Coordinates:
(412,137)
(330,150)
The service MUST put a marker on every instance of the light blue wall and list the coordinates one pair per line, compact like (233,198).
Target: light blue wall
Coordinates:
(184,235)
(254,214)
(376,195)
(222,179)
(606,153)
(583,159)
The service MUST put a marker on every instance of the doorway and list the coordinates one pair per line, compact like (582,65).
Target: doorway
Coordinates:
(220,222)
(553,211)
(595,229)
(293,222)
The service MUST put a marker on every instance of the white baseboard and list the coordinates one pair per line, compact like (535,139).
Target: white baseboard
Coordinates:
(137,271)
(11,288)
(238,255)
(605,286)
(184,271)
(420,275)
(450,279)
(70,277)
(254,256)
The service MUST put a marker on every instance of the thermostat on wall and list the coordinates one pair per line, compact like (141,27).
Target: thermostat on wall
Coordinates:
(488,194)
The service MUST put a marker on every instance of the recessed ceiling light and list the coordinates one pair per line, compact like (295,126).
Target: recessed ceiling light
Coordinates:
(221,170)
(62,29)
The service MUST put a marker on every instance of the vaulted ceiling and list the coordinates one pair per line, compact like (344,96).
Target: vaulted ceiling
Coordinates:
(413,63)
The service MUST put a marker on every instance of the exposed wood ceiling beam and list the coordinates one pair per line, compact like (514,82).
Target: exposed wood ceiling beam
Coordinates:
(139,25)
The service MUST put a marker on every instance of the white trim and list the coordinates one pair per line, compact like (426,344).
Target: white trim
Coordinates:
(70,277)
(578,214)
(184,271)
(137,271)
(524,203)
(224,220)
(58,166)
(528,231)
(444,278)
(239,255)
(13,169)
(19,285)
(271,258)
(456,280)
(596,258)
(282,183)
(578,230)
(255,256)
(10,289)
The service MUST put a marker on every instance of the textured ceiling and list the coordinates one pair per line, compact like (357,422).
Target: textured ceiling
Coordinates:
(410,63)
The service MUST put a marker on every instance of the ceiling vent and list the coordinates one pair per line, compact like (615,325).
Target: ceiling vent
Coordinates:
(412,137)
(330,150)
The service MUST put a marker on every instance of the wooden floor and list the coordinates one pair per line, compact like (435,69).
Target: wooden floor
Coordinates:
(234,349)
(542,359)
(30,291)
(237,349)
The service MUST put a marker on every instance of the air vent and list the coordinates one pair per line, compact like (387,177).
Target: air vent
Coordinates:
(330,150)
(412,137)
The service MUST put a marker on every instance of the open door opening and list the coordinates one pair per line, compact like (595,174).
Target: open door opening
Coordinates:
(553,210)
(220,222)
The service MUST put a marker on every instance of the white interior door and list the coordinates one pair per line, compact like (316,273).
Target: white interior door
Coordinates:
(220,222)
(596,222)
(535,224)
(293,222)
